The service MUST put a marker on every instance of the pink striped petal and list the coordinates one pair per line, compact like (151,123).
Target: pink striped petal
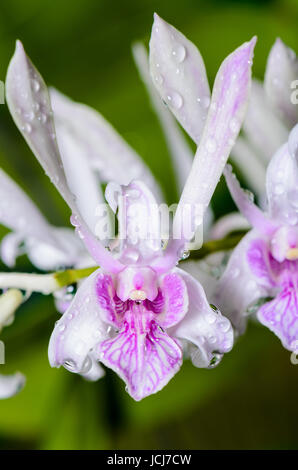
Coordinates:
(259,261)
(281,316)
(175,299)
(29,103)
(144,356)
(181,152)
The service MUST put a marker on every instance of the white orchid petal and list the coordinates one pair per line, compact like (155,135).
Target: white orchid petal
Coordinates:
(251,166)
(262,127)
(229,99)
(28,100)
(139,236)
(66,253)
(179,75)
(281,72)
(182,155)
(19,213)
(29,104)
(11,384)
(107,151)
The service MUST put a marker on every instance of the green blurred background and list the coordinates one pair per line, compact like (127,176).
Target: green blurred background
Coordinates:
(83,48)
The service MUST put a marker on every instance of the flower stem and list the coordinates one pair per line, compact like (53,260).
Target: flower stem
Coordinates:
(44,283)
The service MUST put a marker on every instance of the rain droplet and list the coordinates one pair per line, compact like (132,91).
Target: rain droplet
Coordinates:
(36,85)
(27,127)
(279,189)
(159,79)
(179,53)
(175,99)
(70,365)
(211,145)
(184,254)
(205,100)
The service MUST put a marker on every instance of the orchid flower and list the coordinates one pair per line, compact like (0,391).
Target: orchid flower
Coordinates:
(138,311)
(265,262)
(271,115)
(9,302)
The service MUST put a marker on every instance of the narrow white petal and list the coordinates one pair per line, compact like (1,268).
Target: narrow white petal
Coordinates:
(29,103)
(228,105)
(229,223)
(106,151)
(182,155)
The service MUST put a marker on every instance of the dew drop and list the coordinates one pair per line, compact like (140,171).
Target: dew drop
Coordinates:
(70,365)
(159,79)
(211,318)
(175,99)
(36,85)
(184,254)
(211,145)
(205,101)
(27,127)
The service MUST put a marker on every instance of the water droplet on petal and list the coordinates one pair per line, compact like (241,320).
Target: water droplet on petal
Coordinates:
(70,365)
(179,53)
(211,145)
(36,85)
(184,254)
(279,189)
(205,100)
(175,99)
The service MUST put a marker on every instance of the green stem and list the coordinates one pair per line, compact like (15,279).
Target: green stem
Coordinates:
(214,246)
(64,278)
